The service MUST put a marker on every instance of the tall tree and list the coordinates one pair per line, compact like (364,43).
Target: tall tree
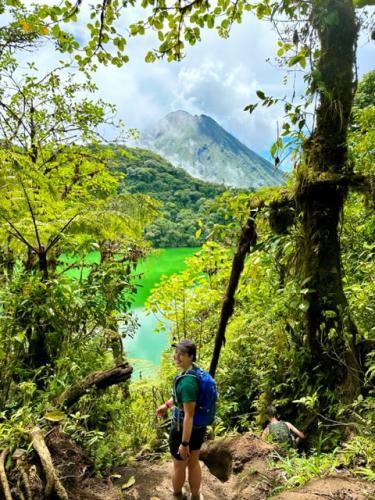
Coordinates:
(321,192)
(59,191)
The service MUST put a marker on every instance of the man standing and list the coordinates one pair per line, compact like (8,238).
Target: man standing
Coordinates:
(185,439)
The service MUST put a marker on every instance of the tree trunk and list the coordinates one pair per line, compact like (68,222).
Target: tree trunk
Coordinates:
(43,264)
(246,239)
(330,333)
(3,476)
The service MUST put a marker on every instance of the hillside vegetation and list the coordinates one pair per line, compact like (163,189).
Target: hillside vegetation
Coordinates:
(185,200)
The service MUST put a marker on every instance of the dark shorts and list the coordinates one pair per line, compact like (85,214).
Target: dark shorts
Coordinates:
(175,438)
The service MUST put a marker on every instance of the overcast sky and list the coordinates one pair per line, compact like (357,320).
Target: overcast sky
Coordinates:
(217,77)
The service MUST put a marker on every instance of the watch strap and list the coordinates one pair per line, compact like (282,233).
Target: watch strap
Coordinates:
(185,443)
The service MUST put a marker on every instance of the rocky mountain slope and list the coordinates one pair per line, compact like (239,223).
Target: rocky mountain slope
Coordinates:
(205,150)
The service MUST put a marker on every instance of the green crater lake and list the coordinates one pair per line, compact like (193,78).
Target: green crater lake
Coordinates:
(145,348)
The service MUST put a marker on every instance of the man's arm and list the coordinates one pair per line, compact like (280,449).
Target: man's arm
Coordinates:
(187,427)
(295,431)
(265,432)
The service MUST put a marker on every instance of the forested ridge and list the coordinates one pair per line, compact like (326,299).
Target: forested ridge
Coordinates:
(185,200)
(279,299)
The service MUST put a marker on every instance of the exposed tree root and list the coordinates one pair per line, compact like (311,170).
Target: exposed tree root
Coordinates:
(53,483)
(3,476)
(19,456)
(100,380)
(20,495)
(26,483)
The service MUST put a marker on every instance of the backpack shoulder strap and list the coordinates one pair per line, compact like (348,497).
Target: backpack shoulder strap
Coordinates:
(188,373)
(196,372)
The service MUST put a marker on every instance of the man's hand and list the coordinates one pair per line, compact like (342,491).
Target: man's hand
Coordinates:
(184,452)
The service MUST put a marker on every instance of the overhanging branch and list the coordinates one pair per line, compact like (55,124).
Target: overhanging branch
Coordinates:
(99,380)
(246,240)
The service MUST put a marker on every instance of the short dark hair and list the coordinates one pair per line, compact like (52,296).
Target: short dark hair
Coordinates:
(187,346)
(271,411)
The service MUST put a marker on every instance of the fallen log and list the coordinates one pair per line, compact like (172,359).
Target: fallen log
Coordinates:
(3,476)
(100,380)
(53,483)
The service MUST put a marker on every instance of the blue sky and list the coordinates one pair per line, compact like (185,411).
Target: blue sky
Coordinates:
(217,77)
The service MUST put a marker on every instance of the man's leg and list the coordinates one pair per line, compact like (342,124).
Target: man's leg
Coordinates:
(195,474)
(178,475)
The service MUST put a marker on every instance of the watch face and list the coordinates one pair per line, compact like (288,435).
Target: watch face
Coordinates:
(185,443)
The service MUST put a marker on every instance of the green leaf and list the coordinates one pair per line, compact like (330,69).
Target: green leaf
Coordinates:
(273,149)
(260,94)
(20,337)
(55,416)
(250,107)
(150,57)
(363,3)
(129,483)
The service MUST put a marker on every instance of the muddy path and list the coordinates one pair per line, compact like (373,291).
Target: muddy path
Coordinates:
(235,468)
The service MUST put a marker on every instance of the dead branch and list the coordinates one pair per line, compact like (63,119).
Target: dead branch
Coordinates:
(3,476)
(53,483)
(99,380)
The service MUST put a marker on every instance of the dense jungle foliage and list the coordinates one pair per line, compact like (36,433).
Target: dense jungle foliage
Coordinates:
(185,200)
(302,332)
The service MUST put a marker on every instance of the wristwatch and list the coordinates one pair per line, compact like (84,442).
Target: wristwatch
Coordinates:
(185,443)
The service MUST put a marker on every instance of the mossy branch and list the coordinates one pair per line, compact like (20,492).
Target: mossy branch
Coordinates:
(99,380)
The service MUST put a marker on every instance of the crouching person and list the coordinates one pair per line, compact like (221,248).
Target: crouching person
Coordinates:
(281,432)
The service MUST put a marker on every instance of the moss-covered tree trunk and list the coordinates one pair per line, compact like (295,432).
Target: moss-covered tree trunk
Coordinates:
(330,333)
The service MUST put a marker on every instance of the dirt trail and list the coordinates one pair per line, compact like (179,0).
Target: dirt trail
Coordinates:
(154,482)
(335,488)
(236,469)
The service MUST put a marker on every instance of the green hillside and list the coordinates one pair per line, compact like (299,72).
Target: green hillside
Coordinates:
(185,199)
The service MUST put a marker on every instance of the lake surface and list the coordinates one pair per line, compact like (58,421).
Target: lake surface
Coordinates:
(146,347)
(144,350)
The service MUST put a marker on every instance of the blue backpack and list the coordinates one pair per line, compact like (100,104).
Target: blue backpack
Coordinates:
(206,401)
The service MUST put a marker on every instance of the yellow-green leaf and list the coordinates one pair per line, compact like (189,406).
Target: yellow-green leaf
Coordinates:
(129,483)
(54,415)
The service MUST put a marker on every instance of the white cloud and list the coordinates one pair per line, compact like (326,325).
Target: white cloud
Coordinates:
(217,77)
